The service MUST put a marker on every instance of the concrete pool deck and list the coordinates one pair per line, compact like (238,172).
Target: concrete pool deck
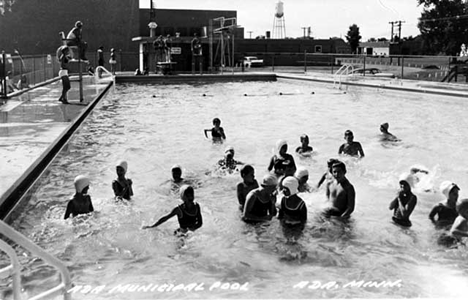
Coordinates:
(33,124)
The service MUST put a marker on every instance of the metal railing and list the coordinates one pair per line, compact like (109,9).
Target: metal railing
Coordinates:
(15,268)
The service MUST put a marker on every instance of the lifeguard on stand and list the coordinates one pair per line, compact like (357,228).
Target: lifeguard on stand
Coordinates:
(197,53)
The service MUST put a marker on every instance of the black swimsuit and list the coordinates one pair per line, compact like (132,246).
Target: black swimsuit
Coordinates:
(188,220)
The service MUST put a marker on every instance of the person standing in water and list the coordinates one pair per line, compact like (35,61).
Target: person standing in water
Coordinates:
(444,213)
(281,155)
(188,214)
(351,147)
(260,202)
(81,202)
(217,132)
(404,203)
(340,192)
(248,183)
(122,186)
(304,148)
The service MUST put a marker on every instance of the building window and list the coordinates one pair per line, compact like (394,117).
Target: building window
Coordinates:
(318,49)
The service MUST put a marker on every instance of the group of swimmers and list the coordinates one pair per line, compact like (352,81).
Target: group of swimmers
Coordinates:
(258,202)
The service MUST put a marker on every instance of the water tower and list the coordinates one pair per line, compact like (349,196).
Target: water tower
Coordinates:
(279,27)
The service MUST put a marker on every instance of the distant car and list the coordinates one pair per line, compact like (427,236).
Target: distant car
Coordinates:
(371,72)
(252,61)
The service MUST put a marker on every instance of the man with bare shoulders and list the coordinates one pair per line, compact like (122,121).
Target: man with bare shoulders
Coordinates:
(351,147)
(340,193)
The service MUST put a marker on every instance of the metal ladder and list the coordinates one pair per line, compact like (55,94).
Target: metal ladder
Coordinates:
(14,269)
(345,69)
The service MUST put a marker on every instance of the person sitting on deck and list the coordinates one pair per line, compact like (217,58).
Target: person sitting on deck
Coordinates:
(74,38)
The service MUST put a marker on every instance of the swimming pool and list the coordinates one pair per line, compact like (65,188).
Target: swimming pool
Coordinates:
(155,127)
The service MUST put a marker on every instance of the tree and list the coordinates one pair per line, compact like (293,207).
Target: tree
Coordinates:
(353,37)
(443,26)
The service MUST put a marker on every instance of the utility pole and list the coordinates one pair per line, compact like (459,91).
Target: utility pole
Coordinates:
(398,24)
(250,33)
(399,29)
(391,35)
(304,30)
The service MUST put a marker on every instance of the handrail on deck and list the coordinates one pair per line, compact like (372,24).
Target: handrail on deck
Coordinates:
(344,69)
(24,242)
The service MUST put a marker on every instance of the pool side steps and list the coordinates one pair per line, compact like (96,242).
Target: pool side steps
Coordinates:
(12,198)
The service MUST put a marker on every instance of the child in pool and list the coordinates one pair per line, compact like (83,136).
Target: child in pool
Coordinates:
(351,147)
(228,163)
(340,192)
(81,202)
(249,183)
(293,211)
(260,202)
(460,226)
(403,205)
(188,213)
(302,175)
(122,186)
(304,149)
(282,155)
(446,211)
(327,175)
(387,136)
(217,132)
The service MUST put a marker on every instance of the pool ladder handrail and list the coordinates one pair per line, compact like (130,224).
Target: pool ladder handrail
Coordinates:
(344,69)
(15,268)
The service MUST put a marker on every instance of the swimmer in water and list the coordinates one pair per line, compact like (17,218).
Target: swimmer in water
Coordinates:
(340,192)
(188,214)
(260,202)
(304,149)
(351,147)
(228,163)
(217,132)
(460,226)
(446,212)
(387,136)
(293,211)
(327,175)
(302,175)
(81,202)
(122,186)
(404,203)
(249,183)
(282,155)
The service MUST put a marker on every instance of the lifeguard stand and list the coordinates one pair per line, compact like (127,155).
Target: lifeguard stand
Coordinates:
(74,60)
(225,47)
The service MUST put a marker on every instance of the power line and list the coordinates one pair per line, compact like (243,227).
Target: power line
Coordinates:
(457,17)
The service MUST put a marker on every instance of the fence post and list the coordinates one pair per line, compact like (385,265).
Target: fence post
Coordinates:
(402,66)
(3,77)
(272,61)
(364,73)
(305,61)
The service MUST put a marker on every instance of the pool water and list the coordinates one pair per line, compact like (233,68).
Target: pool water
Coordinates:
(155,127)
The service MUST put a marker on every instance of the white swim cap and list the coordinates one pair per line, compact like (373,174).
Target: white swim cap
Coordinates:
(446,187)
(280,144)
(291,183)
(122,164)
(407,177)
(81,182)
(301,172)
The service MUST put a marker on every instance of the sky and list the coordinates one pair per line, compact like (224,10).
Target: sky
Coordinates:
(327,18)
